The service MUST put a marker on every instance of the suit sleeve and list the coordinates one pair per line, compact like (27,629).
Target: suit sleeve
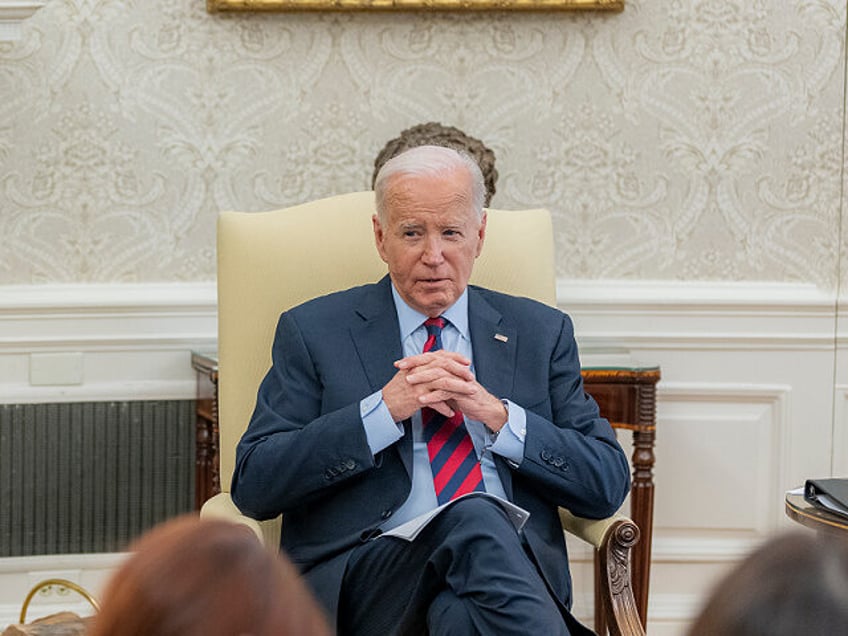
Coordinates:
(292,453)
(570,453)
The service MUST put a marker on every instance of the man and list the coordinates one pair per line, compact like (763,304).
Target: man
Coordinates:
(364,381)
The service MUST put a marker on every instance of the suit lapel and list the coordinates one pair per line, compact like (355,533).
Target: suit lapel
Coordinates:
(376,338)
(495,346)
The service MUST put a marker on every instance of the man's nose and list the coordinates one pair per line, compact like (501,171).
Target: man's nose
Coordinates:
(433,250)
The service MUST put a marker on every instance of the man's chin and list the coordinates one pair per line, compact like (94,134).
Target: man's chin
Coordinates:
(434,304)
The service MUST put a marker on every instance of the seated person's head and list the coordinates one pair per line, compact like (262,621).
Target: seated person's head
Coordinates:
(795,584)
(430,224)
(206,577)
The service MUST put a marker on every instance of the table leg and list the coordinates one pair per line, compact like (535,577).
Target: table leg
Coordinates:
(642,496)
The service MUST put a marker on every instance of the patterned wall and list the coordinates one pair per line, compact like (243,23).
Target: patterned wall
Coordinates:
(681,139)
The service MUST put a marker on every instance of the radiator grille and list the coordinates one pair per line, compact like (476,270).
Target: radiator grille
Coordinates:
(91,476)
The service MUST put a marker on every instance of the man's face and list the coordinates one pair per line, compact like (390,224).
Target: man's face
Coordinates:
(430,238)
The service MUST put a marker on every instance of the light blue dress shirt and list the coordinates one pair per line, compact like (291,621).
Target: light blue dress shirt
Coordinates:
(381,431)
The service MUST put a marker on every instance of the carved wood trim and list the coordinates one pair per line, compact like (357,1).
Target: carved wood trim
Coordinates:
(616,587)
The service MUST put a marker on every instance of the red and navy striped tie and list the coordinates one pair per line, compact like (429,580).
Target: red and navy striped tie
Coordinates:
(456,470)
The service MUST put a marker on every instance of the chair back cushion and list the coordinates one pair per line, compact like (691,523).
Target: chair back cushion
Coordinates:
(271,261)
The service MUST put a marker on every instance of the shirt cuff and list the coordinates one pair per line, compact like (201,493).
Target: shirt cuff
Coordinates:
(380,430)
(509,441)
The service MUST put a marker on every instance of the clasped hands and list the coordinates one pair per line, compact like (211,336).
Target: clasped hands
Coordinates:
(443,381)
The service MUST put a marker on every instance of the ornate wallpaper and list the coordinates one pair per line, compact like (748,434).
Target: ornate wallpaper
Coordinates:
(680,139)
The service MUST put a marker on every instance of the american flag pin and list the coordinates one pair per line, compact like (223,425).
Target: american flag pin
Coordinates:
(501,337)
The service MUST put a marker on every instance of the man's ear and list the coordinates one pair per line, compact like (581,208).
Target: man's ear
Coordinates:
(379,236)
(481,233)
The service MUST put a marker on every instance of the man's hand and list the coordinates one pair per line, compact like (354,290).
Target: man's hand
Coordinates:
(441,380)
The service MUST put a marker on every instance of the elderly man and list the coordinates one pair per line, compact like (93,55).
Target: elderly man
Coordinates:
(388,401)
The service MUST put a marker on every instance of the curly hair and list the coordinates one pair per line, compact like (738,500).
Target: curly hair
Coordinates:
(435,134)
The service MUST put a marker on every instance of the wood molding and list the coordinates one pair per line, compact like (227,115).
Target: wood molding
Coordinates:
(13,13)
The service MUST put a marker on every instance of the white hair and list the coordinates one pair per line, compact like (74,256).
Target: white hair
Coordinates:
(429,161)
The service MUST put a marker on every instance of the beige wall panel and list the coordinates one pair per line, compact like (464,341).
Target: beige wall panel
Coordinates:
(726,448)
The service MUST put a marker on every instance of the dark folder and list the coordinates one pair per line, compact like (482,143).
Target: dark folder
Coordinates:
(829,494)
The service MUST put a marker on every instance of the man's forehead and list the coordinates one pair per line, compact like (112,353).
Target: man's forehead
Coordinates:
(456,213)
(429,196)
(422,197)
(426,220)
(457,179)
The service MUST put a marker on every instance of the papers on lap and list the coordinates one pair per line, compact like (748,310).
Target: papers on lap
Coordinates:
(411,528)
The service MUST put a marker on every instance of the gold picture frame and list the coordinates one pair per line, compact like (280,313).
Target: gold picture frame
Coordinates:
(216,6)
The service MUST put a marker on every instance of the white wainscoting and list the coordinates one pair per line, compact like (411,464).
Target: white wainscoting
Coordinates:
(134,341)
(745,411)
(753,400)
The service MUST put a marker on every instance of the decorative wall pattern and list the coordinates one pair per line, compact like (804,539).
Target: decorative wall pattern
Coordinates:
(684,139)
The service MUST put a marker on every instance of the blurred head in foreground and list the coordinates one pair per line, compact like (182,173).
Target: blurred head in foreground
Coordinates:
(190,577)
(795,583)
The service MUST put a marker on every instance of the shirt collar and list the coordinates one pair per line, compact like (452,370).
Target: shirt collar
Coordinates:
(409,319)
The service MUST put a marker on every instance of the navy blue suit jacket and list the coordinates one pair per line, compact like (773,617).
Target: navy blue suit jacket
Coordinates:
(305,452)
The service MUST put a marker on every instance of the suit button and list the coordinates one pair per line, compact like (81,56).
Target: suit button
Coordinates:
(558,461)
(546,456)
(329,474)
(350,464)
(386,514)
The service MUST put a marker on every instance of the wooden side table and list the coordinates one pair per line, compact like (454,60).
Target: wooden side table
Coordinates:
(207,476)
(626,396)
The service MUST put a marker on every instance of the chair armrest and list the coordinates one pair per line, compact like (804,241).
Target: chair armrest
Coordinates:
(613,538)
(592,531)
(221,506)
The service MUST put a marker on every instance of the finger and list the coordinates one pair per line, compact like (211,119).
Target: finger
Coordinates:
(430,357)
(447,383)
(451,396)
(423,375)
(441,407)
(437,365)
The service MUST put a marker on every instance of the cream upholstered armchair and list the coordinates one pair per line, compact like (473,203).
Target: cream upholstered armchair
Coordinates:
(271,261)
